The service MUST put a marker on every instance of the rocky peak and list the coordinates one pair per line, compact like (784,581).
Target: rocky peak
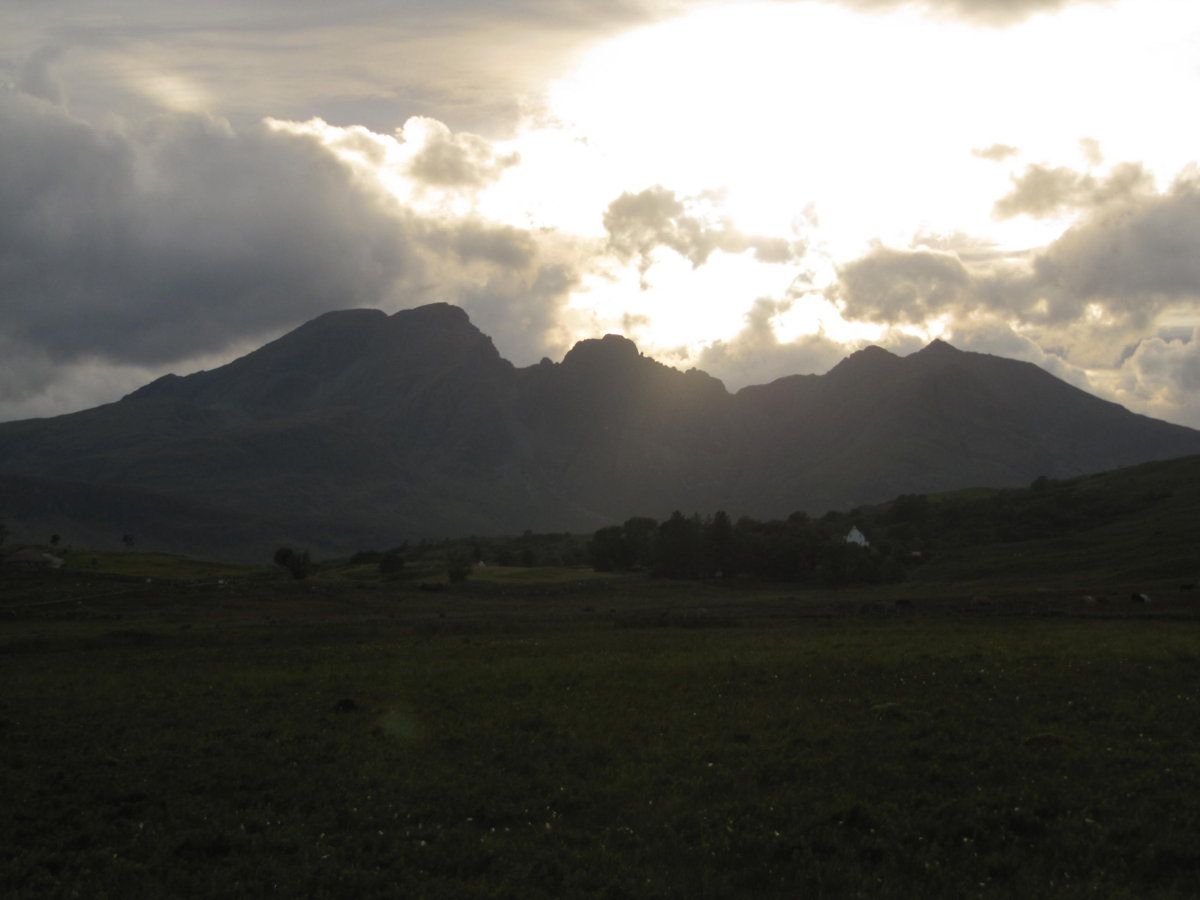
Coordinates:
(608,352)
(869,361)
(938,348)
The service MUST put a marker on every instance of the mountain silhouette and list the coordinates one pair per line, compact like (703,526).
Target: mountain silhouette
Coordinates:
(362,429)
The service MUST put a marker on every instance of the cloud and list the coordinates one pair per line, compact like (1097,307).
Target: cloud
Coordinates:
(179,238)
(422,160)
(1130,261)
(523,311)
(996,152)
(1132,254)
(755,355)
(371,62)
(1043,192)
(448,160)
(477,65)
(968,248)
(903,285)
(982,12)
(1161,377)
(1170,365)
(639,223)
(38,77)
(1090,148)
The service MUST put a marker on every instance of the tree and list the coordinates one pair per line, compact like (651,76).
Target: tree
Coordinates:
(458,566)
(54,539)
(127,540)
(679,546)
(908,508)
(607,549)
(718,544)
(298,564)
(392,562)
(641,537)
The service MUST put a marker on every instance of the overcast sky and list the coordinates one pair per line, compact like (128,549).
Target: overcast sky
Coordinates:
(755,189)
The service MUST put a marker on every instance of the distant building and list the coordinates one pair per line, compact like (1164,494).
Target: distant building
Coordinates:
(857,537)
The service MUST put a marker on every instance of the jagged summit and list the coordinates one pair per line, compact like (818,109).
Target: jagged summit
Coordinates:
(869,362)
(360,429)
(612,349)
(334,358)
(358,314)
(938,348)
(434,313)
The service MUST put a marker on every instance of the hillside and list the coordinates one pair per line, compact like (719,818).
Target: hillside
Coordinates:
(361,429)
(1132,525)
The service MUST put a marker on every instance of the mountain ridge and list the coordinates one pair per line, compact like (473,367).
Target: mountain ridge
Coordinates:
(362,426)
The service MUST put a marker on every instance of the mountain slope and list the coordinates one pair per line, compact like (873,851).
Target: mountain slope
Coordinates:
(359,427)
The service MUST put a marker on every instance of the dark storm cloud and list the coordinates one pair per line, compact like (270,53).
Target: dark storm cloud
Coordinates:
(173,242)
(187,236)
(639,223)
(1045,192)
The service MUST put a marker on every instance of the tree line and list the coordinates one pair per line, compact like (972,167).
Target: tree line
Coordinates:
(903,534)
(797,548)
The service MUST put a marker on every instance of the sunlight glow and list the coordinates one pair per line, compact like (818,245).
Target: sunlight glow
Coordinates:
(872,118)
(814,123)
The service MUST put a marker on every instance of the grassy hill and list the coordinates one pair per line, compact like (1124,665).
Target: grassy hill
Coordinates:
(1138,522)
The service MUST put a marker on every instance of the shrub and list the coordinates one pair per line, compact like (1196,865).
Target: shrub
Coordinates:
(458,566)
(298,564)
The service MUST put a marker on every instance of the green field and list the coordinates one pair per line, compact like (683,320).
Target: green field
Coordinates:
(608,738)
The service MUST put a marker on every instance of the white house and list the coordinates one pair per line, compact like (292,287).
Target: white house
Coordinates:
(857,537)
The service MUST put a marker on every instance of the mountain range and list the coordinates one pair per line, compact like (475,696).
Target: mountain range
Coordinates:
(361,429)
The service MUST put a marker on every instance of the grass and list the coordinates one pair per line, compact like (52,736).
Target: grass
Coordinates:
(1131,526)
(535,575)
(334,739)
(150,565)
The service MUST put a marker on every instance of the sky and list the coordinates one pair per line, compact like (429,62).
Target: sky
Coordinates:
(752,189)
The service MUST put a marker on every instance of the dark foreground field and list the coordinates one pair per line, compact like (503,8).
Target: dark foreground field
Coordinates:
(608,739)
